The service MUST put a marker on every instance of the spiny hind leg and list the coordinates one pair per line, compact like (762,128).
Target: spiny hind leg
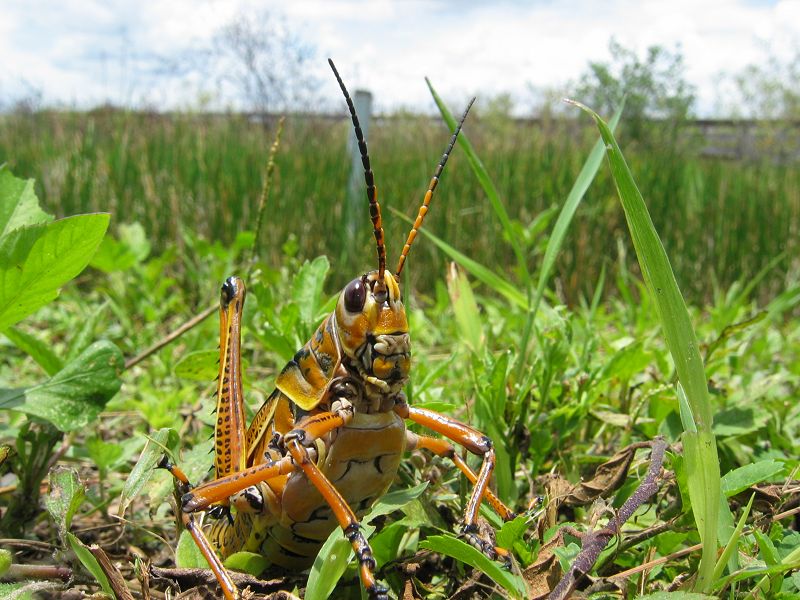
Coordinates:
(475,442)
(481,540)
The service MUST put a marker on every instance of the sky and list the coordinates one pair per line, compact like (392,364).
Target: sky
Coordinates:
(86,52)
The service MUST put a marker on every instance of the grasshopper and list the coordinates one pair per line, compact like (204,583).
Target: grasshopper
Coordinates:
(328,441)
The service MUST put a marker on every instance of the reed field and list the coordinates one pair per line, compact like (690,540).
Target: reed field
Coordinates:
(721,221)
(618,317)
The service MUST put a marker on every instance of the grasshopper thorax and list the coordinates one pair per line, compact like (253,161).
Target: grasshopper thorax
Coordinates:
(373,332)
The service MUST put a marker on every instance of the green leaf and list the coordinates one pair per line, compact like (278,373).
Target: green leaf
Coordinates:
(248,562)
(462,551)
(75,395)
(733,543)
(66,496)
(742,478)
(19,206)
(36,261)
(38,350)
(484,274)
(675,596)
(336,552)
(201,365)
(162,442)
(307,287)
(187,554)
(465,308)
(582,182)
(703,464)
(103,454)
(512,531)
(90,562)
(5,561)
(121,254)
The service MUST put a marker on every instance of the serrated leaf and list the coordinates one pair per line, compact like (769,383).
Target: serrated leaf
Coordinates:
(157,445)
(66,496)
(36,261)
(248,562)
(462,551)
(75,395)
(187,554)
(38,350)
(19,206)
(90,562)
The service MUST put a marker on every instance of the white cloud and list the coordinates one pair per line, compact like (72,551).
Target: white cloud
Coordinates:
(86,50)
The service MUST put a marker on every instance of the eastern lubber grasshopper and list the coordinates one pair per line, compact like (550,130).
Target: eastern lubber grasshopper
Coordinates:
(328,441)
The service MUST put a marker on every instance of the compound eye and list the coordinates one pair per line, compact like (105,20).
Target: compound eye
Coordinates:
(228,291)
(355,295)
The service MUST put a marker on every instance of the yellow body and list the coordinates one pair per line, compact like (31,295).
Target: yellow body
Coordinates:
(366,353)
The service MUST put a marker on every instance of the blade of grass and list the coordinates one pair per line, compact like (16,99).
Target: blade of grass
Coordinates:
(700,447)
(486,183)
(484,274)
(582,182)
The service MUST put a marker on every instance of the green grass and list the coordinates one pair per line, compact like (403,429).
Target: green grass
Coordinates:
(595,376)
(720,221)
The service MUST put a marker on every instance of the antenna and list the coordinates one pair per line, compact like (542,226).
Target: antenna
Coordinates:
(423,210)
(372,191)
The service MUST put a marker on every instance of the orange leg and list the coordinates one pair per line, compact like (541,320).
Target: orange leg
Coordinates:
(477,443)
(344,514)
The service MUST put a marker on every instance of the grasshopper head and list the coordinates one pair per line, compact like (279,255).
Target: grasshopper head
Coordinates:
(373,329)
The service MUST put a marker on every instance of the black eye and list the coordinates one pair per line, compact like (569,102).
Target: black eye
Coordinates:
(355,294)
(228,291)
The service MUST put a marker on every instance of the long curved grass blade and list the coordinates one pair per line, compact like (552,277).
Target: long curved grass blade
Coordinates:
(582,182)
(484,274)
(700,446)
(486,183)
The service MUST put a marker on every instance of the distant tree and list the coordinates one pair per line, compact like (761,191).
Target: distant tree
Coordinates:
(654,87)
(767,90)
(256,61)
(264,61)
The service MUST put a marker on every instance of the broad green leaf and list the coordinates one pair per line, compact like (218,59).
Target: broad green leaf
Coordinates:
(162,442)
(19,206)
(36,261)
(187,554)
(248,562)
(38,350)
(742,478)
(103,454)
(66,496)
(131,247)
(201,365)
(462,551)
(90,562)
(307,287)
(701,450)
(75,395)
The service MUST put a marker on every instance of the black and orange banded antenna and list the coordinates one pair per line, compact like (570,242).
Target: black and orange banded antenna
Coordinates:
(423,210)
(372,191)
